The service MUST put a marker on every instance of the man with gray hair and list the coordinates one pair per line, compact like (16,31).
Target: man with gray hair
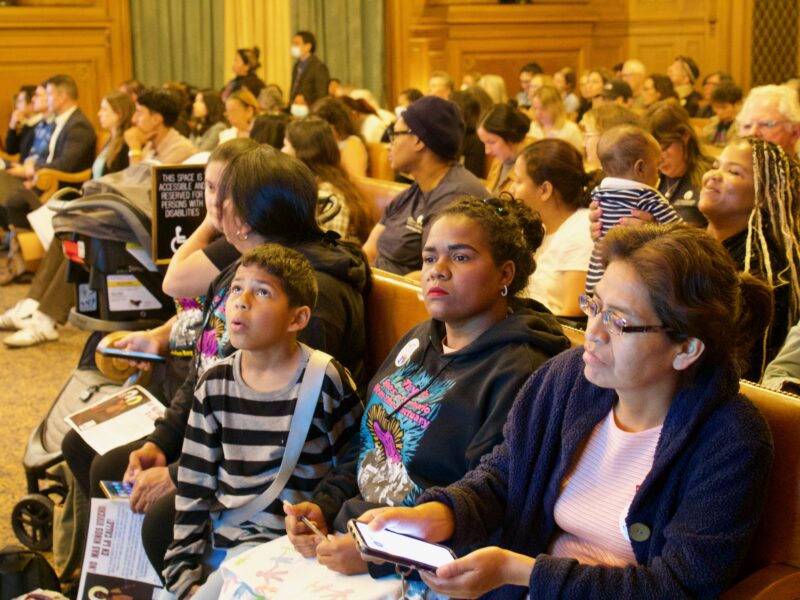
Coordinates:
(634,73)
(772,113)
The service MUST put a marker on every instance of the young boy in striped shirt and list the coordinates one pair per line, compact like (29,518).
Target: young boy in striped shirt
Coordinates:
(240,419)
(630,157)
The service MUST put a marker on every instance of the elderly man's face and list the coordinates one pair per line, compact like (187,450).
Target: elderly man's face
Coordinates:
(762,119)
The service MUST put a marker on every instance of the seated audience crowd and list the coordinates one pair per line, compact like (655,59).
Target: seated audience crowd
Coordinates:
(657,210)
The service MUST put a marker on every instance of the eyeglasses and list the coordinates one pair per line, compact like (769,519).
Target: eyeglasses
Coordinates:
(613,322)
(393,133)
(747,128)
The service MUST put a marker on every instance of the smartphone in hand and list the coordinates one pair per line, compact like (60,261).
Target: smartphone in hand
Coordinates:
(131,355)
(399,548)
(117,490)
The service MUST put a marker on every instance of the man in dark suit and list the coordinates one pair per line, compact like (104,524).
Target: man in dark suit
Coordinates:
(309,75)
(72,148)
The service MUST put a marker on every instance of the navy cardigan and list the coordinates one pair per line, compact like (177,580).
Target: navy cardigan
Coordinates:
(694,514)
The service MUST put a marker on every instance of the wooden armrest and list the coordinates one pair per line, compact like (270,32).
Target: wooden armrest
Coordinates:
(48,180)
(775,582)
(9,158)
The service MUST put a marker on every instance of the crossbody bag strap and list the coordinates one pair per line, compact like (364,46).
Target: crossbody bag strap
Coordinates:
(310,389)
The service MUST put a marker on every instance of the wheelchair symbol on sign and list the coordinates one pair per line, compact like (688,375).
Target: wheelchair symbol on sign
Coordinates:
(177,240)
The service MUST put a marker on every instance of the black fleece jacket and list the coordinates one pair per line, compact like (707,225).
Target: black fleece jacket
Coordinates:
(431,416)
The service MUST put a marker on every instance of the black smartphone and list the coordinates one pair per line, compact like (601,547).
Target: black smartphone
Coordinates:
(399,548)
(131,355)
(117,490)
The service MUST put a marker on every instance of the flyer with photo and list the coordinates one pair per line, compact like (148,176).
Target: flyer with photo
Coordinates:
(118,419)
(115,566)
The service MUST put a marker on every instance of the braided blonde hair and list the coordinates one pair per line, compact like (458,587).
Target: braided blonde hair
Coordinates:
(775,218)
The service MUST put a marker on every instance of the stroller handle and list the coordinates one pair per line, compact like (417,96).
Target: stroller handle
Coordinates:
(133,217)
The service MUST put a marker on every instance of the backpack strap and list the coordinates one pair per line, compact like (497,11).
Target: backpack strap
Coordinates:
(310,389)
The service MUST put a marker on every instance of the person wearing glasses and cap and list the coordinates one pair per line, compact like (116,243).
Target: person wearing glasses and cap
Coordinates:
(631,466)
(683,72)
(425,143)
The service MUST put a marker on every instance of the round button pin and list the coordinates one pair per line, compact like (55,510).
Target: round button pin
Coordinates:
(639,532)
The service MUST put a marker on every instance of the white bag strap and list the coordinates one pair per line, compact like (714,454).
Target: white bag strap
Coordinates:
(310,389)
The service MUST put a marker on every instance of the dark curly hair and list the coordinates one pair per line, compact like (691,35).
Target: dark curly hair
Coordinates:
(513,230)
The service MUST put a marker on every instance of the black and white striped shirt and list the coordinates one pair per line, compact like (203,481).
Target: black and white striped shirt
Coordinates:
(232,451)
(617,197)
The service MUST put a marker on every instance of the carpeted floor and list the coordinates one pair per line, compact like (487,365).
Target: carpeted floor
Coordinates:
(30,380)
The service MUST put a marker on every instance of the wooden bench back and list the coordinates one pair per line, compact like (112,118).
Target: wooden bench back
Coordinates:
(379,165)
(378,193)
(393,307)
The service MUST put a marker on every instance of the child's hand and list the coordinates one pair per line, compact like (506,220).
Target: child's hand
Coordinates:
(339,553)
(303,539)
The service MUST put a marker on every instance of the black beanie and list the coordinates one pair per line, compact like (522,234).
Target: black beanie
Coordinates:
(438,123)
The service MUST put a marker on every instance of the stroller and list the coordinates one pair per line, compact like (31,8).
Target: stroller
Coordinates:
(106,236)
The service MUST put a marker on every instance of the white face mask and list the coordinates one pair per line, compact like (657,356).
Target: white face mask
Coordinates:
(299,110)
(399,110)
(295,51)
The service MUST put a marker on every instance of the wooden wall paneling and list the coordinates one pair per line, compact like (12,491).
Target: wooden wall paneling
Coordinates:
(732,42)
(87,39)
(484,36)
(507,54)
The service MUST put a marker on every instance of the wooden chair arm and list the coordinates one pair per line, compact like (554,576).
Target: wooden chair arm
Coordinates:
(48,180)
(775,582)
(9,158)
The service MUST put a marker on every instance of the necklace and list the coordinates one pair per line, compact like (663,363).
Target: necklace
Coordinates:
(672,186)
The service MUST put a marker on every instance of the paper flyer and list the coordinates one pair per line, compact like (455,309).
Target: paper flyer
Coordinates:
(121,418)
(115,566)
(276,571)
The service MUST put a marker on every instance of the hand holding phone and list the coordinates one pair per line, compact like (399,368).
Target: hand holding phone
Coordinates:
(312,527)
(398,548)
(117,490)
(131,355)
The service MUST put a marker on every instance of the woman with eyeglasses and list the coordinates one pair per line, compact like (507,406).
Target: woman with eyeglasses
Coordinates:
(439,401)
(631,467)
(682,160)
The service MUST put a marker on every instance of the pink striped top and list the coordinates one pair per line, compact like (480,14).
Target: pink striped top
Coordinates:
(596,495)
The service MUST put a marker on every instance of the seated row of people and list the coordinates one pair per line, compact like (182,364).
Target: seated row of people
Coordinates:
(243,224)
(476,258)
(438,124)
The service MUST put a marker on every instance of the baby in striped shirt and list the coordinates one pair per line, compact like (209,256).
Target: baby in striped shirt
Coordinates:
(240,421)
(630,157)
